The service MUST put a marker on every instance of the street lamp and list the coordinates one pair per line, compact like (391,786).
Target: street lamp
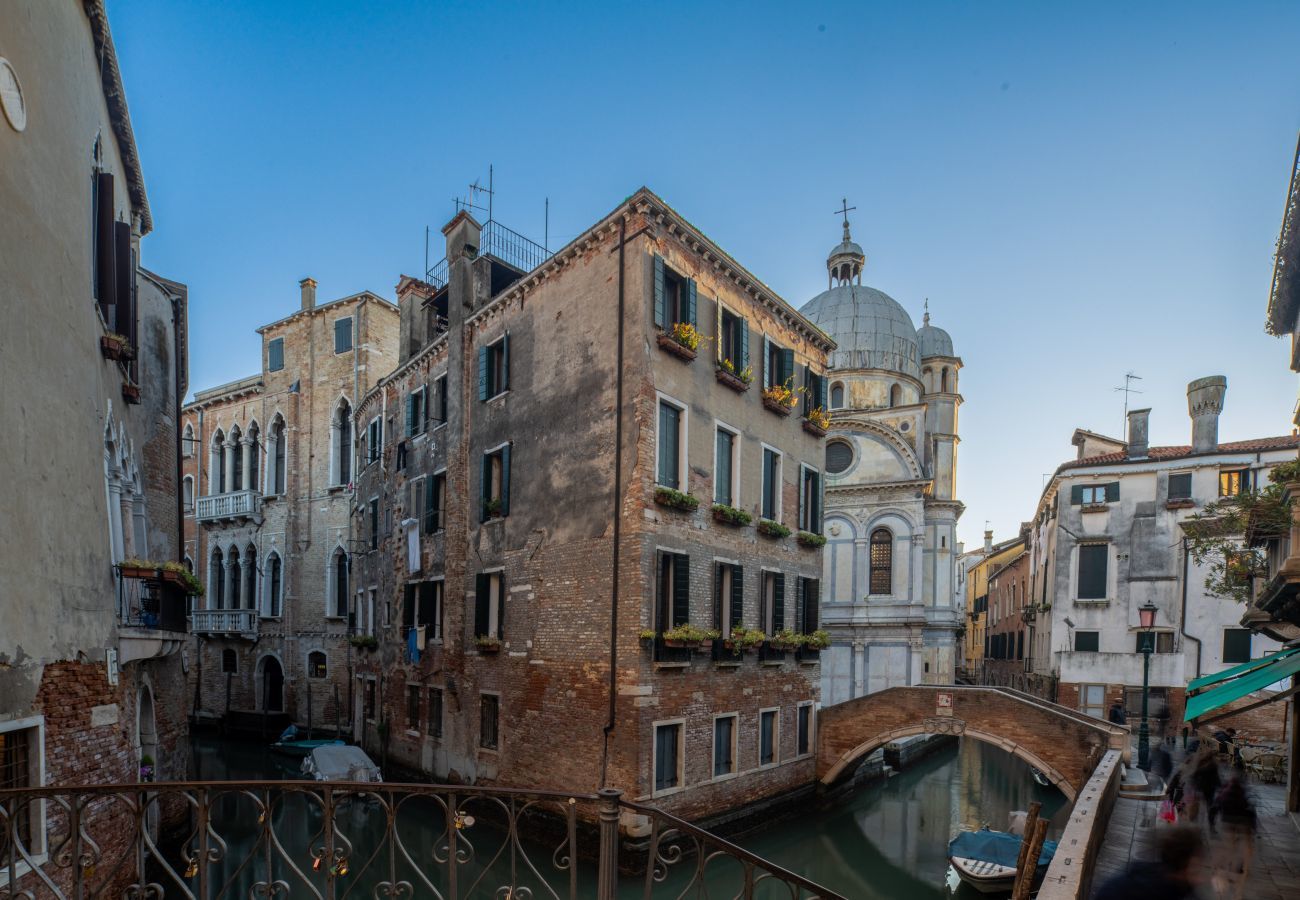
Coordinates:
(1147,621)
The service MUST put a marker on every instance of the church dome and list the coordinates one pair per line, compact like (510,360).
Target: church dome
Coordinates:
(933,341)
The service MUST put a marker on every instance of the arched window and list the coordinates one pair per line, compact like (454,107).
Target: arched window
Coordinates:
(895,395)
(943,383)
(235,581)
(882,562)
(236,451)
(250,577)
(339,577)
(275,458)
(316,667)
(187,441)
(271,593)
(341,444)
(189,564)
(217,580)
(252,476)
(837,396)
(187,492)
(217,463)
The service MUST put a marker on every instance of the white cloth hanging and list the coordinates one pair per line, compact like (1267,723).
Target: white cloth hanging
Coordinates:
(412,527)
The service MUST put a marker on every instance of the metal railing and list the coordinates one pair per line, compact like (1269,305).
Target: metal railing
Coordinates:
(224,621)
(500,242)
(152,604)
(337,840)
(227,506)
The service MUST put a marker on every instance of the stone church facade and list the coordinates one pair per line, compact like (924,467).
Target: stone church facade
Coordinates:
(891,510)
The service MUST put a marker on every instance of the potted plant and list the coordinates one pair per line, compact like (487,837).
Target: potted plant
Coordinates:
(146,767)
(808,539)
(676,499)
(130,392)
(133,567)
(738,380)
(116,346)
(177,574)
(648,636)
(772,529)
(729,515)
(742,638)
(786,639)
(492,508)
(684,635)
(364,641)
(818,640)
(817,422)
(487,643)
(781,398)
(682,340)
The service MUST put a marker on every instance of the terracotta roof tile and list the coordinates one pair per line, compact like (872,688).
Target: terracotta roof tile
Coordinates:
(1281,442)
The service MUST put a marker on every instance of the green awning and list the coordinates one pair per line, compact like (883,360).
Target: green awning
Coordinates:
(1278,666)
(1205,681)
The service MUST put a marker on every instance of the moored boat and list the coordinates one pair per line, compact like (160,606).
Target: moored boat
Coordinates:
(301,748)
(986,859)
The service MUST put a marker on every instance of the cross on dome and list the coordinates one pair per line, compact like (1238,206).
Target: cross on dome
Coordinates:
(846,261)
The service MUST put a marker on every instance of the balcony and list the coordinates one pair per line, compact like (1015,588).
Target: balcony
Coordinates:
(235,622)
(234,505)
(151,614)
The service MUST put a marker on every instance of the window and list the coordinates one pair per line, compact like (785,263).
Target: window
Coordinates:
(839,456)
(671,446)
(272,591)
(1157,702)
(771,505)
(810,500)
(881,577)
(814,391)
(236,580)
(187,442)
(435,500)
(489,722)
(428,613)
(674,595)
(276,480)
(674,297)
(495,484)
(1180,486)
(1233,481)
(837,396)
(416,412)
(339,572)
(726,467)
(439,410)
(778,365)
(416,498)
(1094,494)
(1092,571)
(808,614)
(724,746)
(668,756)
(341,444)
(435,712)
(229,662)
(1087,641)
(217,463)
(803,742)
(728,596)
(373,508)
(772,613)
(895,395)
(252,478)
(275,355)
(21,767)
(217,579)
(494,368)
(1236,645)
(375,440)
(316,664)
(489,610)
(187,487)
(1092,700)
(1091,494)
(767,737)
(368,706)
(733,340)
(343,335)
(1161,641)
(413,707)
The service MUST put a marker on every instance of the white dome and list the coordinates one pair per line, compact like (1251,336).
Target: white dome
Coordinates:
(933,341)
(872,329)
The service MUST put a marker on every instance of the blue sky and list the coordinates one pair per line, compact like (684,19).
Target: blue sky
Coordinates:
(1079,191)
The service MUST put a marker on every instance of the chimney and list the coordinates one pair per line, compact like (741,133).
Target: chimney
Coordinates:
(1204,403)
(1136,448)
(308,286)
(988,541)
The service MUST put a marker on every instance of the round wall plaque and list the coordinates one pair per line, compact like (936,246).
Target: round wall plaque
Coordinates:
(11,96)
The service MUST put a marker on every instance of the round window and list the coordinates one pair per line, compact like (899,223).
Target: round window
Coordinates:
(839,456)
(906,426)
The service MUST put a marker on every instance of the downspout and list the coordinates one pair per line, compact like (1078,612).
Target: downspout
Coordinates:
(618,511)
(180,472)
(1182,616)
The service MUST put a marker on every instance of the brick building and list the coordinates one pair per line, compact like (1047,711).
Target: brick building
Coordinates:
(540,419)
(93,364)
(979,566)
(1007,628)
(267,491)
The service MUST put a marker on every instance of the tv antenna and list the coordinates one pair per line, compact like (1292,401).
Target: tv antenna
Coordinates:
(475,189)
(1128,388)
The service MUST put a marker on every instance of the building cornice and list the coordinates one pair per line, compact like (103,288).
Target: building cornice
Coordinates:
(359,297)
(427,356)
(118,114)
(225,393)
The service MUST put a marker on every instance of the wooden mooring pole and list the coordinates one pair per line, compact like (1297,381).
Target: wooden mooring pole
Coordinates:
(1029,867)
(1026,838)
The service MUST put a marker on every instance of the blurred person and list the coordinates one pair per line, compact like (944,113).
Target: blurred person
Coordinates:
(1240,824)
(1173,876)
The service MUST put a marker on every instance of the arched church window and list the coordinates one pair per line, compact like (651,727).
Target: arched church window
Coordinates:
(895,395)
(837,396)
(882,562)
(943,384)
(839,456)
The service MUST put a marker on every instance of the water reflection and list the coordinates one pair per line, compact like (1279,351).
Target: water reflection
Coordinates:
(888,841)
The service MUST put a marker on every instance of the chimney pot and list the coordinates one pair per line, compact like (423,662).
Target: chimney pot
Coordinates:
(308,286)
(988,541)
(1138,421)
(1204,403)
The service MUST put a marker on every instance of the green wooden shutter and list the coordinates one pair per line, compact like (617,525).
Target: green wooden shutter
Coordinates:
(661,292)
(430,514)
(797,623)
(505,480)
(717,328)
(737,596)
(482,595)
(718,569)
(744,345)
(767,363)
(766,503)
(820,514)
(787,365)
(1076,494)
(808,391)
(812,605)
(482,373)
(802,496)
(501,607)
(681,589)
(505,364)
(410,414)
(485,486)
(1112,492)
(690,302)
(778,602)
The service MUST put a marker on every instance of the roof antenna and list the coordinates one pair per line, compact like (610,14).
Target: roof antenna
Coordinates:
(475,189)
(1128,388)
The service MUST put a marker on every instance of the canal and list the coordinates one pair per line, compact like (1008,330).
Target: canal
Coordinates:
(888,840)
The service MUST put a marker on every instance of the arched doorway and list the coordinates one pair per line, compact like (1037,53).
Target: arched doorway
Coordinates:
(272,685)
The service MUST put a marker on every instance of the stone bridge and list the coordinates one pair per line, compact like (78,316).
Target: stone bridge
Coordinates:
(1062,743)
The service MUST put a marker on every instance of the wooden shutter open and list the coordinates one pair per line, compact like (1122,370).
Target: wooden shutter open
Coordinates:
(408,606)
(482,373)
(681,589)
(744,345)
(430,513)
(1112,492)
(127,323)
(812,605)
(717,328)
(505,480)
(105,258)
(482,596)
(505,364)
(778,601)
(737,596)
(661,291)
(690,303)
(485,486)
(718,569)
(1076,494)
(767,363)
(787,365)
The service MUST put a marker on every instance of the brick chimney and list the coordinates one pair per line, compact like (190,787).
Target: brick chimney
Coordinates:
(1204,403)
(988,540)
(308,286)
(1138,420)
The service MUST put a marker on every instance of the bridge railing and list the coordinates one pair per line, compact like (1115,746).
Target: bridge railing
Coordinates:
(344,839)
(1069,876)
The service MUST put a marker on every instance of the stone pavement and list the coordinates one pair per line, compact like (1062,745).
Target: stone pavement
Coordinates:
(1274,872)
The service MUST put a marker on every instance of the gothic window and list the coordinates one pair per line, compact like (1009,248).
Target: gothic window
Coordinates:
(250,577)
(276,457)
(341,463)
(339,577)
(235,580)
(217,463)
(882,562)
(251,477)
(943,382)
(272,593)
(187,442)
(236,450)
(217,580)
(187,492)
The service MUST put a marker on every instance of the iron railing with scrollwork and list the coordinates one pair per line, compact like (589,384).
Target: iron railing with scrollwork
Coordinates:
(339,840)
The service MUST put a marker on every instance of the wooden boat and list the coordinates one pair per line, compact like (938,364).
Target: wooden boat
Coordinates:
(1040,778)
(986,859)
(301,748)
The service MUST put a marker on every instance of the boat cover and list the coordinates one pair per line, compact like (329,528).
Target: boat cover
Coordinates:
(340,762)
(996,847)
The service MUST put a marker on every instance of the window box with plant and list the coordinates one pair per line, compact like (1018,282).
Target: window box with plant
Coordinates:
(808,539)
(688,635)
(769,528)
(116,346)
(729,515)
(364,641)
(675,499)
(781,398)
(682,340)
(648,636)
(743,639)
(738,380)
(787,639)
(130,392)
(817,422)
(486,643)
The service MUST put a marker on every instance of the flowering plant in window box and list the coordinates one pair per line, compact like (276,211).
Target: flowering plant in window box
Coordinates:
(146,767)
(486,643)
(818,640)
(808,539)
(116,346)
(130,392)
(781,398)
(492,508)
(682,340)
(817,422)
(787,639)
(177,574)
(686,635)
(742,638)
(648,636)
(729,515)
(772,529)
(738,381)
(666,496)
(133,567)
(364,641)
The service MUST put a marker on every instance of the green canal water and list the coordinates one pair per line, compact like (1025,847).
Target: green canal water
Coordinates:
(888,840)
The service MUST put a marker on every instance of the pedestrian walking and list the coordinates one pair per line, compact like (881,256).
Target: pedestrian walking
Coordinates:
(1173,876)
(1161,762)
(1116,714)
(1240,823)
(1205,782)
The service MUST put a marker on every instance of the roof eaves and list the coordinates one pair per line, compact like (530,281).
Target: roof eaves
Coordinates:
(1284,294)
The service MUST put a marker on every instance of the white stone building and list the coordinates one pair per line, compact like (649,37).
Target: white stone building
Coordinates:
(889,597)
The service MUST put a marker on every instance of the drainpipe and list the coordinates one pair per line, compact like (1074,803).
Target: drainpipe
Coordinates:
(1182,616)
(618,512)
(179,554)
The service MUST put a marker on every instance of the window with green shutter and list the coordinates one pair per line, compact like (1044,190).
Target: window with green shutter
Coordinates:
(1093,559)
(415,412)
(494,481)
(275,355)
(810,500)
(343,335)
(773,599)
(724,471)
(1087,641)
(733,340)
(493,369)
(669,443)
(771,501)
(674,591)
(489,609)
(1180,486)
(1236,645)
(674,297)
